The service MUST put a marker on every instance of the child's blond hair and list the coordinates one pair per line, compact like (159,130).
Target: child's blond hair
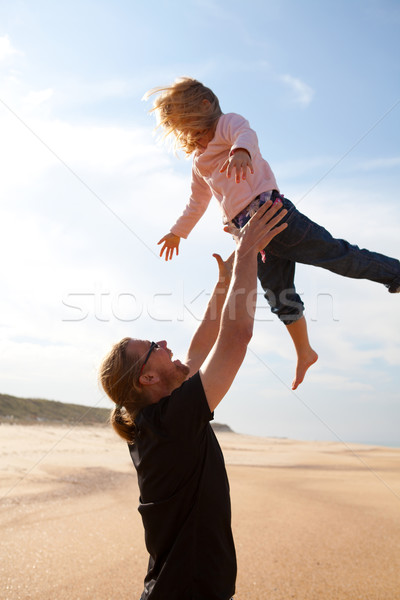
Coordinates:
(180,111)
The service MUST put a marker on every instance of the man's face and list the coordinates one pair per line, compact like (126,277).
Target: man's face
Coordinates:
(172,373)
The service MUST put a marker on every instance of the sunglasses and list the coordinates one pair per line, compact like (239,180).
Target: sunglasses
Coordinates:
(153,346)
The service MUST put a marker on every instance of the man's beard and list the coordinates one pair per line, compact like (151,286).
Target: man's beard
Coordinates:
(174,378)
(184,369)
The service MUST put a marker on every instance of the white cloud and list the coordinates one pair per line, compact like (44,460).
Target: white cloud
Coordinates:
(379,163)
(6,48)
(302,93)
(35,98)
(341,383)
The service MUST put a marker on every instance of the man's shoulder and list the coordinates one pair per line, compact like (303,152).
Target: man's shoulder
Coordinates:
(173,410)
(191,385)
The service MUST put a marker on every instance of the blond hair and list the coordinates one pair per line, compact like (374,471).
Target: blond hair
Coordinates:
(119,374)
(180,111)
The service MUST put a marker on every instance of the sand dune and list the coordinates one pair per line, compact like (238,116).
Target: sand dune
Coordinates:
(311,520)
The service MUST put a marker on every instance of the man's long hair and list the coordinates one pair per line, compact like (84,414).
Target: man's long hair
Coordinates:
(119,375)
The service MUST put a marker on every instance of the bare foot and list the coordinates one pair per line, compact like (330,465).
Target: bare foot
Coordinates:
(303,364)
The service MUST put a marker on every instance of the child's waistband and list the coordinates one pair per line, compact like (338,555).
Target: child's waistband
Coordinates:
(245,215)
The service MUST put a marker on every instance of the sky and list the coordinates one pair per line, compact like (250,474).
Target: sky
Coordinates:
(87,190)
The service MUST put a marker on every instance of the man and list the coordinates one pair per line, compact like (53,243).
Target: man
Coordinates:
(164,408)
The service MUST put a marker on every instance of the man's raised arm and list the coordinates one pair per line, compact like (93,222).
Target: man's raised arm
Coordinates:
(207,332)
(236,326)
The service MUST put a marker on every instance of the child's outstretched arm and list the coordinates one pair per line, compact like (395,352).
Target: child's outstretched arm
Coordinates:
(239,160)
(170,243)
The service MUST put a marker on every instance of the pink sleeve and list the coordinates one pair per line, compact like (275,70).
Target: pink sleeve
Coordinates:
(238,133)
(195,208)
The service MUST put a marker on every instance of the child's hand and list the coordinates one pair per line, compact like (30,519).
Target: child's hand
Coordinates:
(171,243)
(239,160)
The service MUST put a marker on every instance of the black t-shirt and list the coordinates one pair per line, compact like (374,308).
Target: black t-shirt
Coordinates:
(184,499)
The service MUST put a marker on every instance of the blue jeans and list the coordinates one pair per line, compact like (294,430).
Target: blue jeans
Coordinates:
(304,241)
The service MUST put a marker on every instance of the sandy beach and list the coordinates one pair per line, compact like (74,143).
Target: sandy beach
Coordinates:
(311,520)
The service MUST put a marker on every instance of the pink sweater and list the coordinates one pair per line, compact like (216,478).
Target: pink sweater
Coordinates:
(233,131)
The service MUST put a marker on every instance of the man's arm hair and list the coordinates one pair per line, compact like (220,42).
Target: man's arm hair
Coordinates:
(207,332)
(236,328)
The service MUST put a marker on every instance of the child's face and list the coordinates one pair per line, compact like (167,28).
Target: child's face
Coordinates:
(206,136)
(199,139)
(205,139)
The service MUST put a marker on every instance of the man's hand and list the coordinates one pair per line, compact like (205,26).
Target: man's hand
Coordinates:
(225,268)
(170,244)
(240,161)
(262,227)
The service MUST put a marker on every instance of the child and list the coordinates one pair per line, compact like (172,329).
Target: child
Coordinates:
(227,163)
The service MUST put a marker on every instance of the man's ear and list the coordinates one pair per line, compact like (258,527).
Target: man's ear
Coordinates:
(149,378)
